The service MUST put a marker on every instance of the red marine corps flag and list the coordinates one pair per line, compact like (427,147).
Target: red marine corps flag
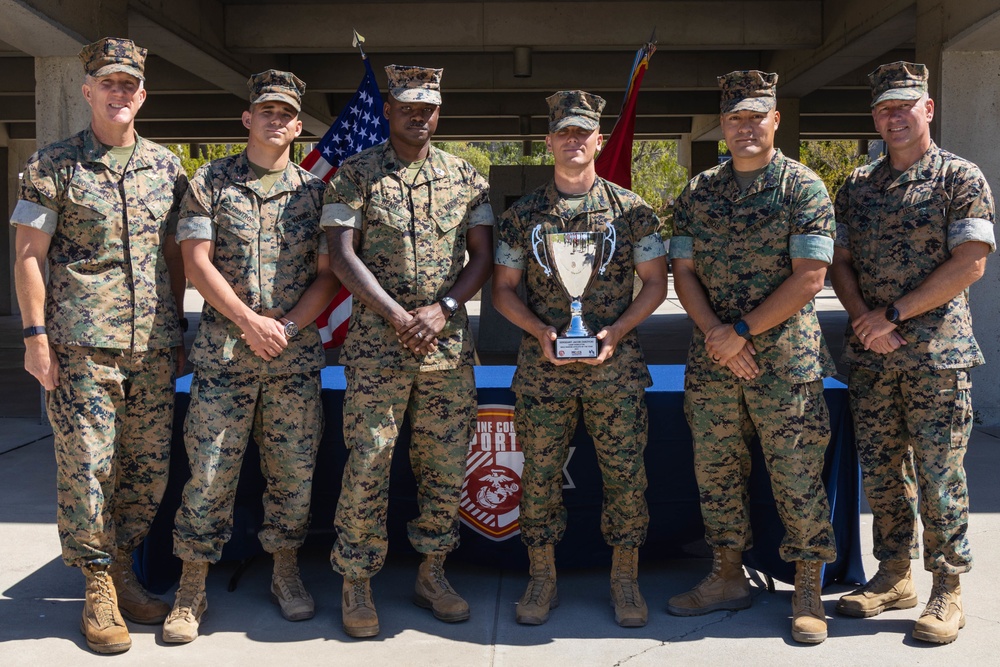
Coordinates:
(360,125)
(615,161)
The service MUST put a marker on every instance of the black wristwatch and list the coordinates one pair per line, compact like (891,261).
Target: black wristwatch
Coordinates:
(291,328)
(33,331)
(450,305)
(742,329)
(892,313)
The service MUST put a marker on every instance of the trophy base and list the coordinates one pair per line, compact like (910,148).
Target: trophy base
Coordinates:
(585,347)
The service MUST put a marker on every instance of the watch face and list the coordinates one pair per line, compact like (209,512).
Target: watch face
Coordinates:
(742,328)
(450,304)
(291,330)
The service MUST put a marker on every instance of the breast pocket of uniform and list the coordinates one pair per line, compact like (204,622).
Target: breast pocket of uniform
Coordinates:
(158,204)
(383,213)
(765,234)
(235,227)
(85,204)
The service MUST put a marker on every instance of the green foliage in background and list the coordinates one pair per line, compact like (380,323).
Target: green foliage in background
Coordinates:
(833,161)
(194,155)
(656,175)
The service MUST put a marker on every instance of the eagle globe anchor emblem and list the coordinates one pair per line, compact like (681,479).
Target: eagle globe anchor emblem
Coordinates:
(496,492)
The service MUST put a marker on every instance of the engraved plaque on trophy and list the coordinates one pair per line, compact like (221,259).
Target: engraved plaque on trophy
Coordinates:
(575,259)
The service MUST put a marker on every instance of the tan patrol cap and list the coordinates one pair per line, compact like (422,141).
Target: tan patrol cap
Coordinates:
(574,107)
(898,81)
(276,86)
(751,90)
(113,54)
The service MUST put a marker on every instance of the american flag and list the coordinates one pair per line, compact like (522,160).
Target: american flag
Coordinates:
(360,125)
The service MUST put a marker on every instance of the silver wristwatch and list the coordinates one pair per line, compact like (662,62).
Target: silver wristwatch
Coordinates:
(291,328)
(450,305)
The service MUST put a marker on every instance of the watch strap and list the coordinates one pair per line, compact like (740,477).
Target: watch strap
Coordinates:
(33,331)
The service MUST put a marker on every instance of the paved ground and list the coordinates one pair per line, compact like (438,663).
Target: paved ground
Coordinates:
(40,598)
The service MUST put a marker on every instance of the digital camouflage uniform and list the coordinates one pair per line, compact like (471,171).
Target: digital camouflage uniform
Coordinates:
(266,247)
(610,395)
(742,245)
(112,320)
(413,240)
(912,407)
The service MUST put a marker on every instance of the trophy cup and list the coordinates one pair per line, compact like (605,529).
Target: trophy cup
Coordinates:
(575,258)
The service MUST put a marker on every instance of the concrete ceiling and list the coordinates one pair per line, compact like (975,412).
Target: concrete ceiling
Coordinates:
(203,50)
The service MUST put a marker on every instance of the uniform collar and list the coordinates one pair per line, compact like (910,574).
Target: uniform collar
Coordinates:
(595,201)
(241,172)
(921,170)
(727,184)
(434,167)
(95,151)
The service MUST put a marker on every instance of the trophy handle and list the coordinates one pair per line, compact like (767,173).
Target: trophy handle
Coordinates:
(610,237)
(536,240)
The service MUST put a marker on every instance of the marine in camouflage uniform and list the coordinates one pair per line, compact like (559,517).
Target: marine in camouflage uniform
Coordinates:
(99,211)
(908,223)
(752,241)
(249,230)
(609,390)
(400,218)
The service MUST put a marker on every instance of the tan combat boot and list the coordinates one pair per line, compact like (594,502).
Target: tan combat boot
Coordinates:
(101,622)
(190,604)
(541,594)
(630,607)
(134,602)
(890,588)
(808,616)
(358,612)
(433,591)
(725,587)
(943,617)
(287,590)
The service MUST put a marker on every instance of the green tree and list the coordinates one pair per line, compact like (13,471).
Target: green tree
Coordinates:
(194,155)
(833,161)
(202,153)
(658,178)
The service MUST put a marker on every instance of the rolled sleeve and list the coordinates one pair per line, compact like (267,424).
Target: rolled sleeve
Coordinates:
(962,231)
(340,215)
(35,215)
(196,228)
(481,215)
(811,246)
(510,257)
(681,247)
(647,248)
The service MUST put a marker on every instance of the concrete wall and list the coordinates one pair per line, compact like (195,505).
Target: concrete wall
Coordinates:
(970,89)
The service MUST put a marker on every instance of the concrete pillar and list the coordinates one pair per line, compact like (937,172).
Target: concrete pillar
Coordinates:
(704,155)
(787,136)
(970,88)
(60,109)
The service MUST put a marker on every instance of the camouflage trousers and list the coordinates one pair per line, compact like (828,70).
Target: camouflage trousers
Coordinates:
(619,425)
(912,429)
(793,423)
(111,417)
(286,417)
(442,409)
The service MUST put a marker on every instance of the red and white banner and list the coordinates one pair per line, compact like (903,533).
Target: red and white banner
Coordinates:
(491,492)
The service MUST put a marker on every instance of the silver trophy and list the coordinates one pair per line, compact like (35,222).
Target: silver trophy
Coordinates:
(575,258)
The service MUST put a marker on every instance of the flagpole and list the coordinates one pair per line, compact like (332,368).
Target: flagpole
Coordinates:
(359,39)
